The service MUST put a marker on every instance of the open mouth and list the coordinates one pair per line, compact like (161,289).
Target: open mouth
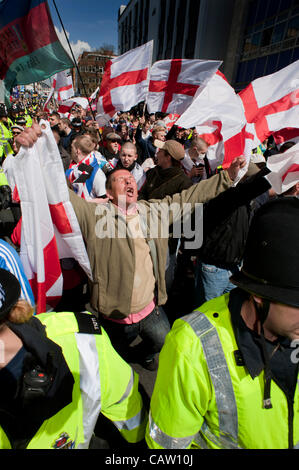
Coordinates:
(130,191)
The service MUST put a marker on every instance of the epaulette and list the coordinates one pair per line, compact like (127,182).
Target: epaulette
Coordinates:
(88,323)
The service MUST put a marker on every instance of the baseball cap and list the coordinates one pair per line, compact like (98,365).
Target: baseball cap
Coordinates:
(174,148)
(113,136)
(10,291)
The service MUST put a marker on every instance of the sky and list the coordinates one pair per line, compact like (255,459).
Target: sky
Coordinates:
(88,23)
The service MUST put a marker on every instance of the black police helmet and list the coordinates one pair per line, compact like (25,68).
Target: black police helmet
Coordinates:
(3,110)
(10,291)
(271,257)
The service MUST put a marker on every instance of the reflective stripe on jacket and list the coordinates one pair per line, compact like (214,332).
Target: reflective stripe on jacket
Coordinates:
(205,400)
(5,136)
(103,383)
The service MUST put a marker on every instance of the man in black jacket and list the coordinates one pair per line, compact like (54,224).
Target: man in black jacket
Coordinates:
(226,223)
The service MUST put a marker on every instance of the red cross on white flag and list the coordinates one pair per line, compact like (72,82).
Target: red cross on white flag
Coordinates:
(284,169)
(271,102)
(174,83)
(125,81)
(286,135)
(217,112)
(50,229)
(63,86)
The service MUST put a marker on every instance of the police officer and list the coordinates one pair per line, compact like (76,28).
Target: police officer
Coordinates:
(5,133)
(57,373)
(233,379)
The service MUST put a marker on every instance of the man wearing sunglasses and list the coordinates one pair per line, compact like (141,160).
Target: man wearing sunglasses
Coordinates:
(111,146)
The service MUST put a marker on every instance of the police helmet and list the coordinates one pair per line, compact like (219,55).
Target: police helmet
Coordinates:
(3,110)
(271,257)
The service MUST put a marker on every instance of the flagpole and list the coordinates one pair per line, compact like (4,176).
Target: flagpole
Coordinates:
(78,71)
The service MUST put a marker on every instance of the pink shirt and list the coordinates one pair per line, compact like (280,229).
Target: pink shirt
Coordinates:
(136,317)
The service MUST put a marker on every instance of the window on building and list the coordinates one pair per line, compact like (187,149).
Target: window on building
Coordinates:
(251,14)
(295,54)
(273,7)
(271,66)
(278,32)
(161,29)
(285,5)
(250,70)
(266,37)
(135,24)
(129,30)
(180,28)
(261,12)
(169,31)
(285,58)
(240,78)
(146,21)
(293,27)
(140,22)
(192,30)
(260,67)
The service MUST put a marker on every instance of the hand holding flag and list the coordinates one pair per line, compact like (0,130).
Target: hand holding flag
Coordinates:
(50,230)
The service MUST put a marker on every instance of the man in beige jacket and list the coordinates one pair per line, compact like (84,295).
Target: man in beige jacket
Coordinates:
(126,241)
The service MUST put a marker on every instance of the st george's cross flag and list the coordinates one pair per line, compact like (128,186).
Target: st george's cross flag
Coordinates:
(288,134)
(50,230)
(174,83)
(125,81)
(63,86)
(65,107)
(218,108)
(29,47)
(284,169)
(61,89)
(271,103)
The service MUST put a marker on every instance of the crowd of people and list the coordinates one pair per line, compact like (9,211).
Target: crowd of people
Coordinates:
(215,366)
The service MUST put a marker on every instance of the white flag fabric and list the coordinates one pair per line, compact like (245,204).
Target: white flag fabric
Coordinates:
(271,102)
(284,169)
(217,110)
(288,134)
(65,107)
(174,83)
(50,230)
(48,100)
(63,86)
(94,94)
(170,120)
(125,81)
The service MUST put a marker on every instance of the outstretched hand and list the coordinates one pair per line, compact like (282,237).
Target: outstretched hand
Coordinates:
(235,166)
(29,135)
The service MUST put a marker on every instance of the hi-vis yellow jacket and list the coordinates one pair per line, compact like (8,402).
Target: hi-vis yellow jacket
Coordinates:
(203,399)
(103,383)
(5,138)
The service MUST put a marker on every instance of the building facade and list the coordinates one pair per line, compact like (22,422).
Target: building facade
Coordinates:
(270,39)
(91,67)
(251,37)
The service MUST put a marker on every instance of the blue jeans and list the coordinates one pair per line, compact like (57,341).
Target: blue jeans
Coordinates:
(211,282)
(152,330)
